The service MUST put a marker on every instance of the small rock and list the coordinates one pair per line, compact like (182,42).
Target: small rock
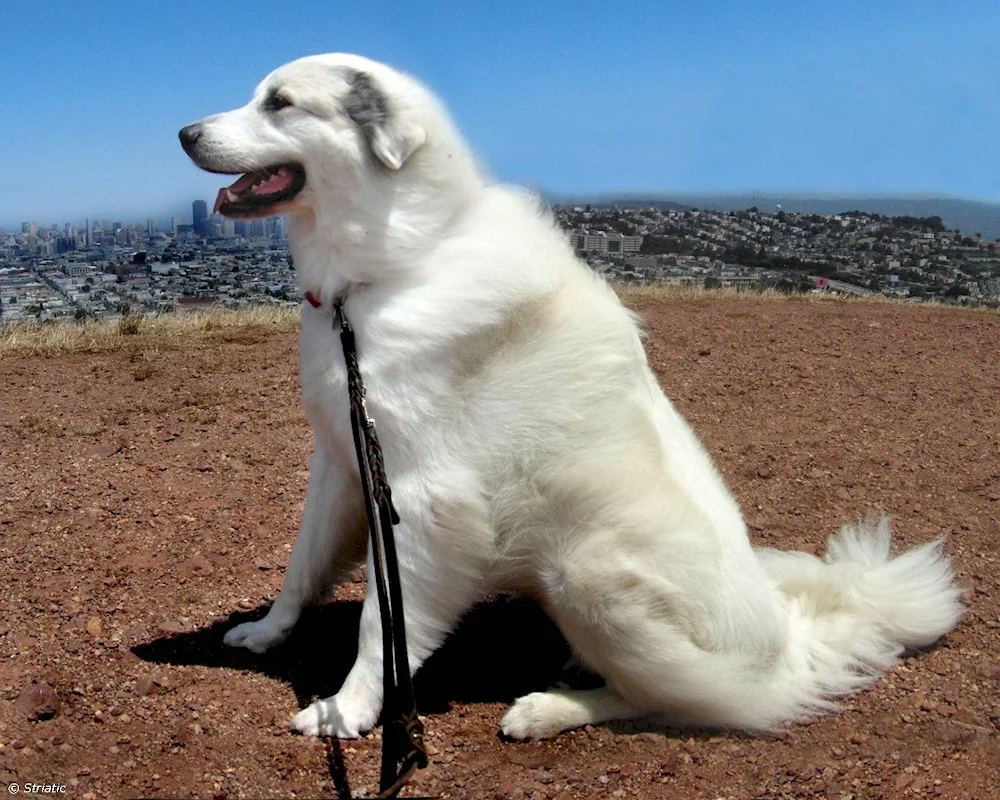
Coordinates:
(105,450)
(530,758)
(670,765)
(181,736)
(171,626)
(40,702)
(94,626)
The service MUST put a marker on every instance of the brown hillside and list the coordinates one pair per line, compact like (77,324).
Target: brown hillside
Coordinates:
(149,495)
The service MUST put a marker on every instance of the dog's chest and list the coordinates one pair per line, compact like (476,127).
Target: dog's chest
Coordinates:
(393,392)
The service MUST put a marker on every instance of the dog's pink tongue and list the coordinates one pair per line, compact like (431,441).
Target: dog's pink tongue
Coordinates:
(244,182)
(239,186)
(220,198)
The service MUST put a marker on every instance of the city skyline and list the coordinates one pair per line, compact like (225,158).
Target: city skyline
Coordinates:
(569,98)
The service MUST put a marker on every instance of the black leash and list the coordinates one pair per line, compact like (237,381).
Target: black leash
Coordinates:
(403,748)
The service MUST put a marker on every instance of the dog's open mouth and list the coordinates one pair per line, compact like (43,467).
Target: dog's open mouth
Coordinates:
(256,192)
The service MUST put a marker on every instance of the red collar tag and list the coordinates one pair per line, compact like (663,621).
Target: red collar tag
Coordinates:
(311,298)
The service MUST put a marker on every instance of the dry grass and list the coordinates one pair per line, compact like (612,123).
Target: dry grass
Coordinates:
(645,294)
(142,335)
(630,292)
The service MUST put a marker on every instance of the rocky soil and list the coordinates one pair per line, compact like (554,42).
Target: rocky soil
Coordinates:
(149,498)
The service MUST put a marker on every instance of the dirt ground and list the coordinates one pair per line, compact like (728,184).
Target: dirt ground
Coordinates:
(149,498)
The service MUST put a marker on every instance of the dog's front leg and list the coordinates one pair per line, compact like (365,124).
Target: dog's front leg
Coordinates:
(331,543)
(441,565)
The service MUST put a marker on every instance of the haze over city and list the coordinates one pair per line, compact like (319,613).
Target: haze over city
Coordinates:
(575,99)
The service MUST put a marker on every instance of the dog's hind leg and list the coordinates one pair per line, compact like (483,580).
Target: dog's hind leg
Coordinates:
(542,714)
(330,545)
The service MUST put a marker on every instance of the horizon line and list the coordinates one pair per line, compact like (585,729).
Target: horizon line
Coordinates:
(561,198)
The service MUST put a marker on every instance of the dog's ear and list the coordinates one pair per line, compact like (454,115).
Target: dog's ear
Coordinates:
(391,139)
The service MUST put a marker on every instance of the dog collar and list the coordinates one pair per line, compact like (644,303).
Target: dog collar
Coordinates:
(312,299)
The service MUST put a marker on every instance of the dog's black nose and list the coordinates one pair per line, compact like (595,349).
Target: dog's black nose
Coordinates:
(189,136)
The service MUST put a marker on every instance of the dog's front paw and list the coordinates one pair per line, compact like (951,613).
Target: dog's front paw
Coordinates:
(256,636)
(335,717)
(538,715)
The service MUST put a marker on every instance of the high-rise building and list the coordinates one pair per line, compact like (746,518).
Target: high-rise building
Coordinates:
(199,214)
(175,223)
(150,226)
(90,232)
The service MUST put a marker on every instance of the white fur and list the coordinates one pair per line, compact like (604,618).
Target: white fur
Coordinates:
(530,448)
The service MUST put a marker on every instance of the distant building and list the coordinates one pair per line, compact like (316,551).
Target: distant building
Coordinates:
(175,223)
(199,214)
(150,226)
(615,244)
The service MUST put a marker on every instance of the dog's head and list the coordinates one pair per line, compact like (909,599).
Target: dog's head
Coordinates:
(334,136)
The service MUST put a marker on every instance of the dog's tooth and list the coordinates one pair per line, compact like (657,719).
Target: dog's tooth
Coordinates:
(231,197)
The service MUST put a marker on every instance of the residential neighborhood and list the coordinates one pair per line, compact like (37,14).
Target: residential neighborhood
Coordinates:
(106,269)
(914,258)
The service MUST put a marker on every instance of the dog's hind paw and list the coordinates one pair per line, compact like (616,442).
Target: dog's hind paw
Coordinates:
(255,636)
(538,715)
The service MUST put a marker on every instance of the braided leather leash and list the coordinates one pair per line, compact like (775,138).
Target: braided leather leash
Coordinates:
(403,748)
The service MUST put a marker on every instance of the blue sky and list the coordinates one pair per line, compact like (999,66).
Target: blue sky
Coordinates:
(575,98)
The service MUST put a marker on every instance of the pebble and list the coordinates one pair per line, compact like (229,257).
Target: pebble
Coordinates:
(171,626)
(40,701)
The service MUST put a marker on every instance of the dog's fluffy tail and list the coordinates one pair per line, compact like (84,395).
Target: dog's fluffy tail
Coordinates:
(852,613)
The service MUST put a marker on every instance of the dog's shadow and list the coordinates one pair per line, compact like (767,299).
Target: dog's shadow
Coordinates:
(502,649)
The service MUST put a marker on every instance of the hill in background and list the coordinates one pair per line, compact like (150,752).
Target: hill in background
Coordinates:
(969,216)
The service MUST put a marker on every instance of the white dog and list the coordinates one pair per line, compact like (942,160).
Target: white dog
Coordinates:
(527,442)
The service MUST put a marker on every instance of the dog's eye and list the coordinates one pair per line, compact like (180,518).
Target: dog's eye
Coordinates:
(276,102)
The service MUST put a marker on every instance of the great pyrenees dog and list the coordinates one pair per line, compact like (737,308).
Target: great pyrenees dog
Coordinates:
(527,442)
